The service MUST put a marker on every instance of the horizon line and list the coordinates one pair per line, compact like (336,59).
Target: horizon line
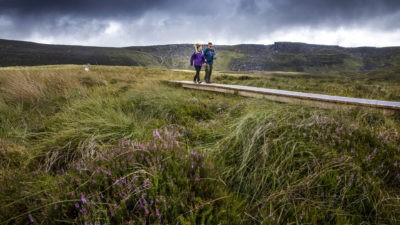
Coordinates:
(205,43)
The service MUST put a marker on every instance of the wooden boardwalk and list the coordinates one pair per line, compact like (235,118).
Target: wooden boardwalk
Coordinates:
(327,101)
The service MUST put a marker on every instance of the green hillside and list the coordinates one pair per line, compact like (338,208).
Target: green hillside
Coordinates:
(281,56)
(121,145)
(17,53)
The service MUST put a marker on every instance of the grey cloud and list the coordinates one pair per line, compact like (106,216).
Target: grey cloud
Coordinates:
(77,7)
(174,21)
(330,13)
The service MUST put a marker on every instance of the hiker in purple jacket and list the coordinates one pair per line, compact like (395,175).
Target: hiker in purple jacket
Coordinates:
(198,59)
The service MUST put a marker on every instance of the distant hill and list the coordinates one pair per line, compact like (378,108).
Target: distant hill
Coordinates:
(279,56)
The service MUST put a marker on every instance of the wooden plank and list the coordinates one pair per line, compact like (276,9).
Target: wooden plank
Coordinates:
(329,101)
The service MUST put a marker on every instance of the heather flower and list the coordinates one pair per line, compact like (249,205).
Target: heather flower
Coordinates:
(157,134)
(167,133)
(83,211)
(118,183)
(352,150)
(144,199)
(158,212)
(126,143)
(160,168)
(31,219)
(145,184)
(83,199)
(395,164)
(141,204)
(96,223)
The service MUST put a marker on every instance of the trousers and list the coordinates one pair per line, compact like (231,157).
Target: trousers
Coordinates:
(197,76)
(209,68)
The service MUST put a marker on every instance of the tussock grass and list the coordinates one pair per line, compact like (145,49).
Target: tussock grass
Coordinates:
(82,128)
(119,145)
(32,88)
(313,167)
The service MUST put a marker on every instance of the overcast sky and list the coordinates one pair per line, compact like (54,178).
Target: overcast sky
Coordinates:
(117,23)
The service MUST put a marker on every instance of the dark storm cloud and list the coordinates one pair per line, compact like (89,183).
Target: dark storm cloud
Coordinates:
(166,21)
(77,7)
(95,8)
(318,12)
(25,17)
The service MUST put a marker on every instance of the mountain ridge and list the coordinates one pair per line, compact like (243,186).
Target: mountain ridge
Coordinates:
(288,56)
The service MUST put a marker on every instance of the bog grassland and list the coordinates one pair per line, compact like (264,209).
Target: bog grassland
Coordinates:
(120,145)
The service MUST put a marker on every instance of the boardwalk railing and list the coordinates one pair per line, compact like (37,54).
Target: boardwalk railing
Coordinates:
(327,101)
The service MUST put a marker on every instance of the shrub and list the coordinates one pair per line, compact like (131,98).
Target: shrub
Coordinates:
(157,182)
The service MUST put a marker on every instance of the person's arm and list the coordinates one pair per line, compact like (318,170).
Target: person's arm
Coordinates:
(204,55)
(191,59)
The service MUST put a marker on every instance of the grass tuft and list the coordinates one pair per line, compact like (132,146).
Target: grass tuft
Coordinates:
(120,145)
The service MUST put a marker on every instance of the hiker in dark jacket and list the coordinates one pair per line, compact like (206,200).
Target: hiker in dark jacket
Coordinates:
(198,60)
(209,54)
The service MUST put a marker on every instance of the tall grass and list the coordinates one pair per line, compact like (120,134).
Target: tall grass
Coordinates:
(156,182)
(34,89)
(313,167)
(118,145)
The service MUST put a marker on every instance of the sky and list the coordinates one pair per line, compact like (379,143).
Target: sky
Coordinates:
(118,23)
